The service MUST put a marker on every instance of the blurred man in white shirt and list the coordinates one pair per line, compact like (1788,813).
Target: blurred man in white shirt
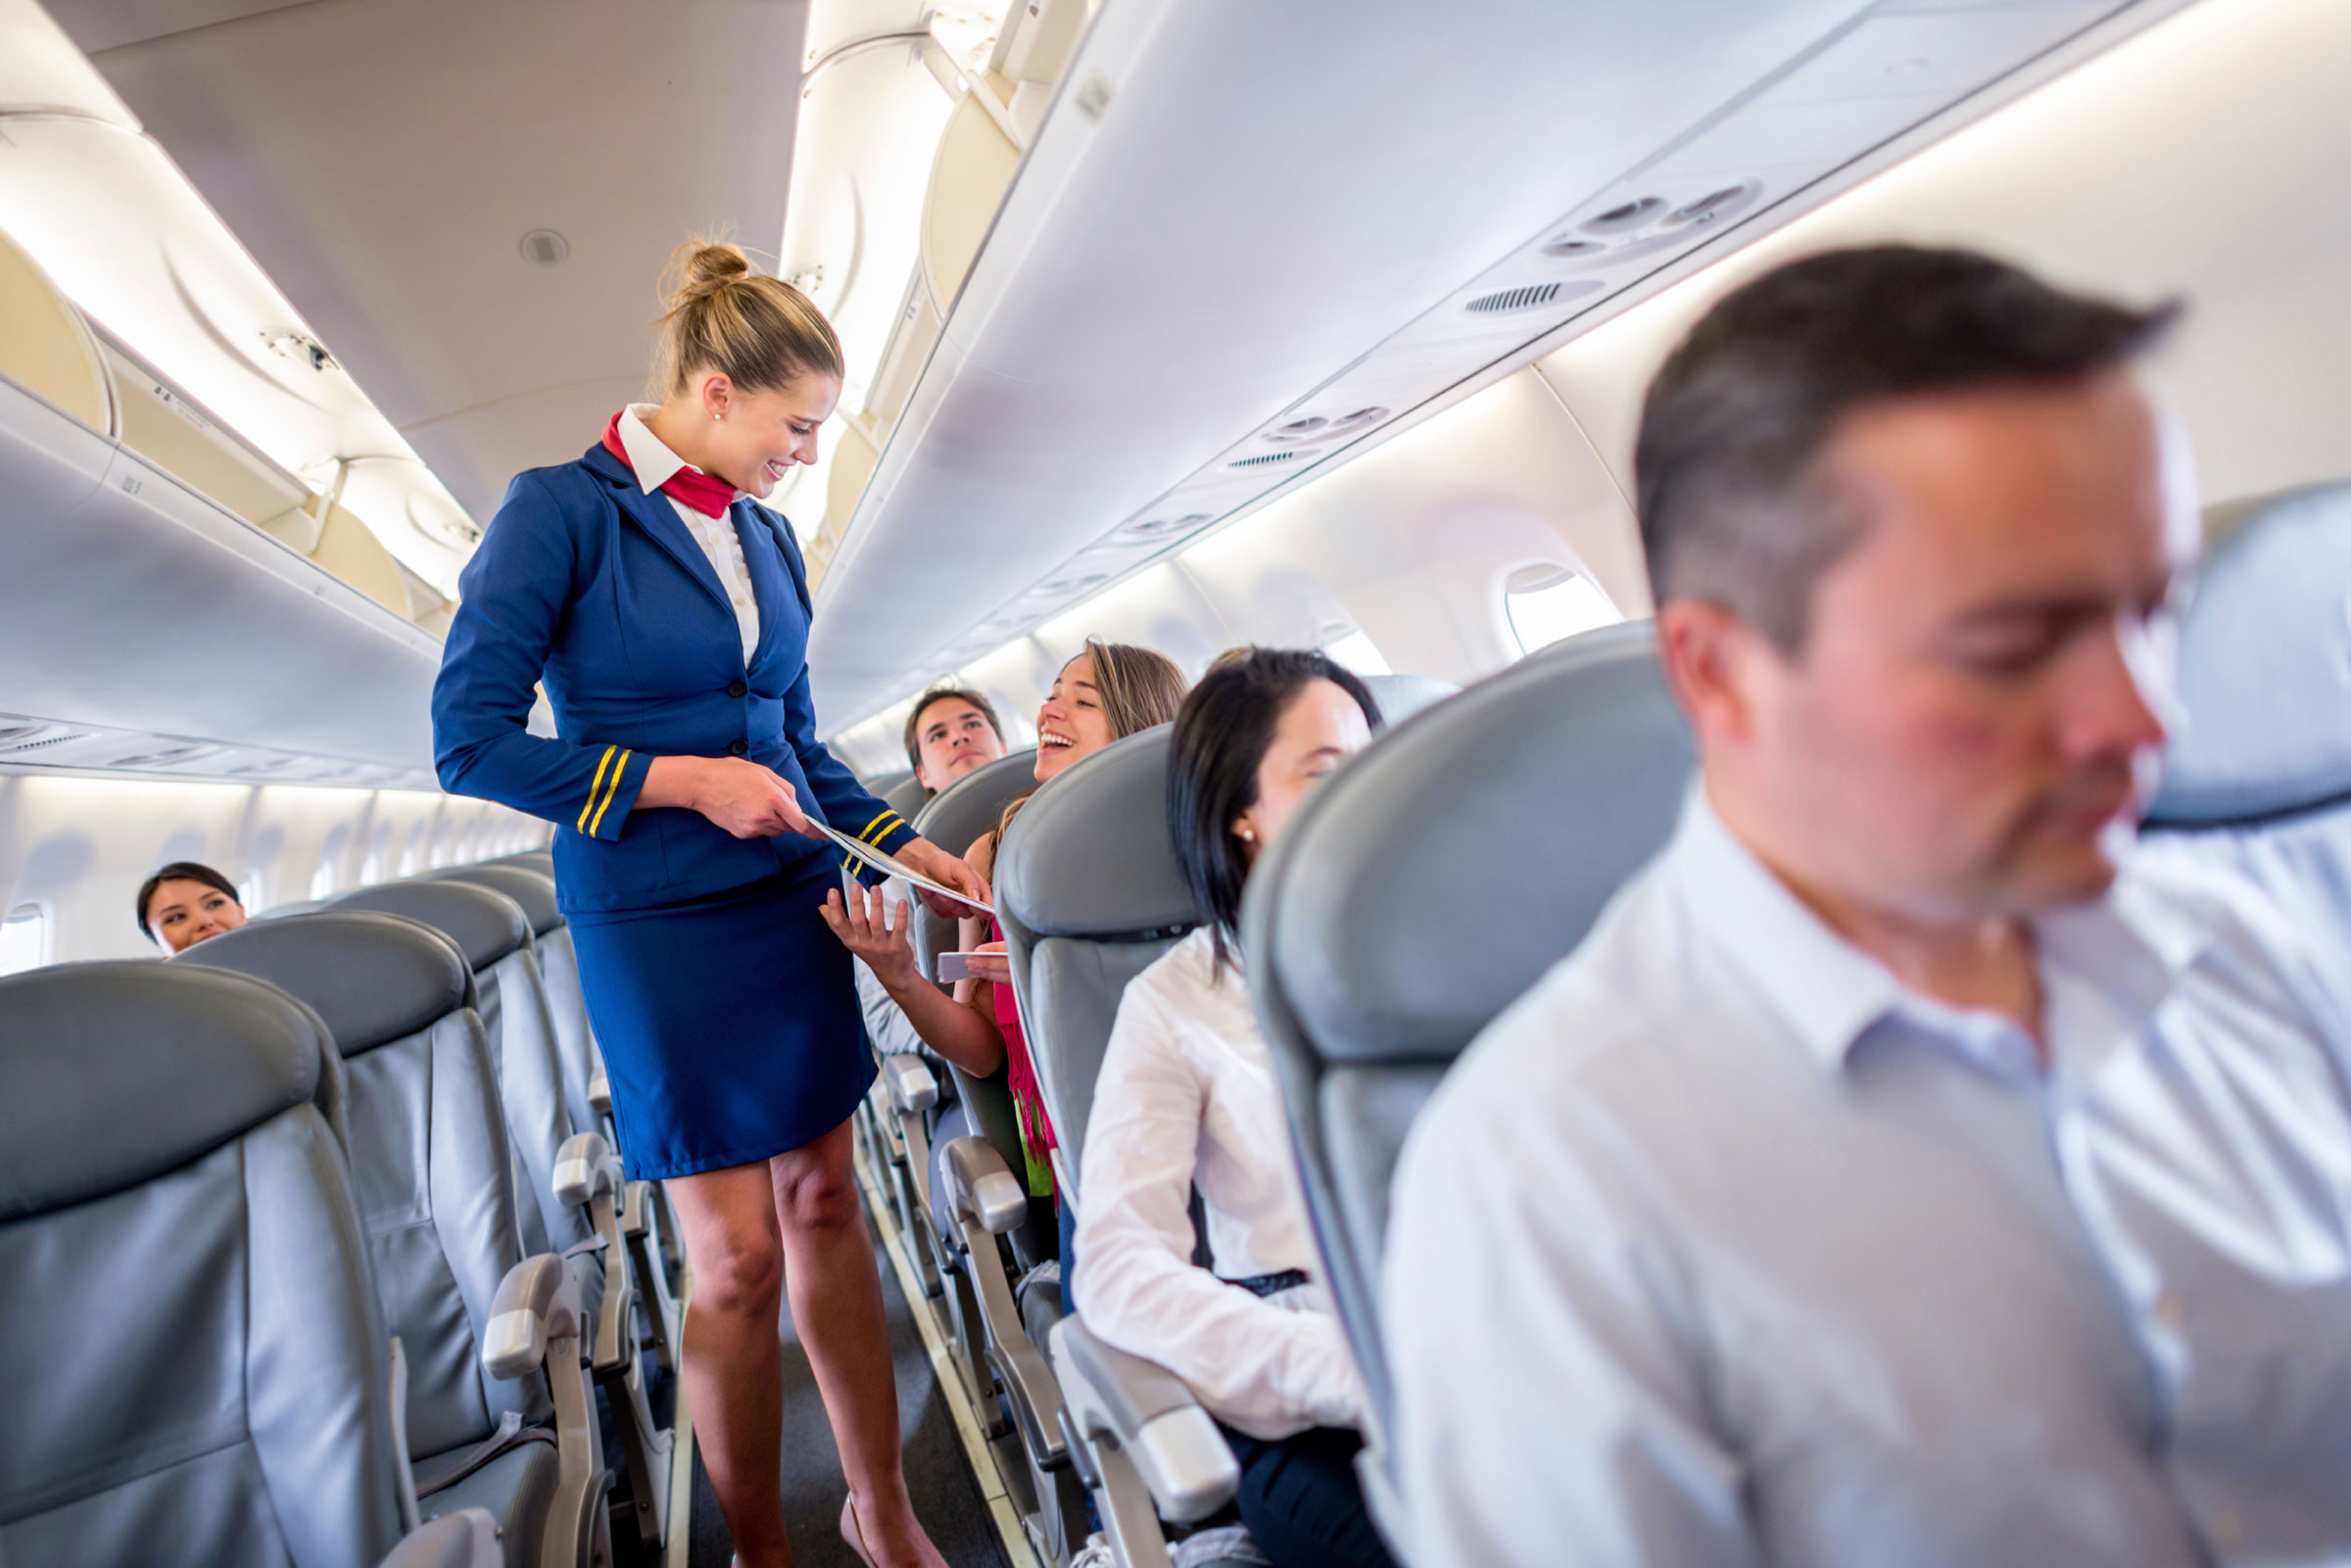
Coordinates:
(1896,1176)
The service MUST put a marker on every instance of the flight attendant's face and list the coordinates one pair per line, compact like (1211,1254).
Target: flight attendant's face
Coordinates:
(1072,724)
(183,914)
(753,439)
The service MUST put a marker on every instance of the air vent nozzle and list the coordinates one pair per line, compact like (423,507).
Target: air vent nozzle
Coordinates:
(1509,302)
(1262,458)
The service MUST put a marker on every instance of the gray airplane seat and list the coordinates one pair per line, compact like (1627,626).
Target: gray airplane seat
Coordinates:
(2258,778)
(196,1367)
(1090,895)
(495,934)
(430,1173)
(1425,889)
(558,970)
(1400,697)
(954,819)
(905,795)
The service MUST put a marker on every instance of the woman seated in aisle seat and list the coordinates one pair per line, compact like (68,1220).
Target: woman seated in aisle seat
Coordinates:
(1187,1101)
(185,903)
(1108,692)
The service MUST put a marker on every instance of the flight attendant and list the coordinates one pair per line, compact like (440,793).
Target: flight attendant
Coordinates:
(665,612)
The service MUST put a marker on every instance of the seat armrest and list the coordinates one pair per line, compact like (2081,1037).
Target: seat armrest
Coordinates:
(981,1185)
(466,1538)
(913,1087)
(537,1302)
(585,1168)
(1150,1414)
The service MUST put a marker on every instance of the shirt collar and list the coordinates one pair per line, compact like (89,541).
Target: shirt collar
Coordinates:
(648,455)
(2129,946)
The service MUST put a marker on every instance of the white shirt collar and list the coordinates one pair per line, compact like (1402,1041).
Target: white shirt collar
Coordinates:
(648,455)
(2130,949)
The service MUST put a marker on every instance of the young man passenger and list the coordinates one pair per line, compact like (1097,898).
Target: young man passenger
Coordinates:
(1896,1175)
(951,730)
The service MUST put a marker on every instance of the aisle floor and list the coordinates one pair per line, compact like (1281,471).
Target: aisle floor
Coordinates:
(946,1498)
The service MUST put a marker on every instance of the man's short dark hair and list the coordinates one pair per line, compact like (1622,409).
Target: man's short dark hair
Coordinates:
(183,871)
(941,693)
(1730,508)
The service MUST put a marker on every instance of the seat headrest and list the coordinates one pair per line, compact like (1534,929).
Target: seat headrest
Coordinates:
(973,803)
(1090,856)
(533,889)
(905,795)
(117,1071)
(1400,697)
(373,977)
(1466,851)
(2265,666)
(486,925)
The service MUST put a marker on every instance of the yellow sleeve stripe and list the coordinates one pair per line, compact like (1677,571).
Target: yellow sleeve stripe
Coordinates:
(865,834)
(611,790)
(595,784)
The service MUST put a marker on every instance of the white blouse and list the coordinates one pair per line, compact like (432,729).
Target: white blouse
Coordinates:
(1187,1098)
(655,462)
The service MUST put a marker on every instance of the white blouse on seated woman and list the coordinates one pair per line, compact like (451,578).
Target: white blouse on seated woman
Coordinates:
(1187,1098)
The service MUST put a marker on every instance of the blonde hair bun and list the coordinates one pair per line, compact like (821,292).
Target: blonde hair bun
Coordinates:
(719,315)
(701,268)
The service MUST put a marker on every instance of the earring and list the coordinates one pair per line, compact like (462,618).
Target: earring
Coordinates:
(1248,837)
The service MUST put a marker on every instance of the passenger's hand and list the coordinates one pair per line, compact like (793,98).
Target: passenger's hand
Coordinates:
(749,800)
(944,869)
(990,961)
(862,922)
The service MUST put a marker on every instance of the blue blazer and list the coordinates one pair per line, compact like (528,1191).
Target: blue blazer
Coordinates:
(596,590)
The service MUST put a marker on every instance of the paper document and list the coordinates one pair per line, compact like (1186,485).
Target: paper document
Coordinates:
(893,866)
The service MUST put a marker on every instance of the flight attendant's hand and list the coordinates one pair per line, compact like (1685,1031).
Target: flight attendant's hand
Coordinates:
(747,798)
(946,870)
(863,924)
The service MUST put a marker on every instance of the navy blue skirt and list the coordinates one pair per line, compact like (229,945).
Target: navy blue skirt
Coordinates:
(730,1026)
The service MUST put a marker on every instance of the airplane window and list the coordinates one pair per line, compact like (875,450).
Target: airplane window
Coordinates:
(1357,652)
(1546,604)
(249,890)
(323,881)
(24,939)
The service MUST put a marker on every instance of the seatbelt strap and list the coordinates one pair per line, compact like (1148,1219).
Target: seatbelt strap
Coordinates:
(1272,1284)
(510,1433)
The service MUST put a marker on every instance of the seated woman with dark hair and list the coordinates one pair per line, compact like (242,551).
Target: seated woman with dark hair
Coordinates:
(184,903)
(1187,1101)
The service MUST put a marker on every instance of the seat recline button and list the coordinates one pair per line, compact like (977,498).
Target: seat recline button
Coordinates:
(735,688)
(738,746)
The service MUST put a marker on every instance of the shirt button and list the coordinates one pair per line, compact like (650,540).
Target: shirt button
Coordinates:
(735,688)
(738,746)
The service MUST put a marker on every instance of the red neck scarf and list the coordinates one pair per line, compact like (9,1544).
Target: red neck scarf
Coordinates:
(696,489)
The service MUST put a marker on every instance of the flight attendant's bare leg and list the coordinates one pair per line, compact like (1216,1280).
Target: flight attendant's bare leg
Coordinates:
(740,1225)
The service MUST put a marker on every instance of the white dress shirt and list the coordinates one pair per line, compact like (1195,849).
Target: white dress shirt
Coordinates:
(1187,1098)
(1721,1247)
(655,462)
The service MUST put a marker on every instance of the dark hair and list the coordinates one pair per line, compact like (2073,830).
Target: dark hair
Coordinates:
(943,694)
(182,870)
(1220,738)
(1730,508)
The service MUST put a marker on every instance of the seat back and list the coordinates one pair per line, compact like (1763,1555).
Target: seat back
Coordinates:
(192,1360)
(2258,778)
(905,795)
(953,820)
(538,859)
(558,972)
(1400,697)
(428,1146)
(1090,896)
(495,935)
(1430,884)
